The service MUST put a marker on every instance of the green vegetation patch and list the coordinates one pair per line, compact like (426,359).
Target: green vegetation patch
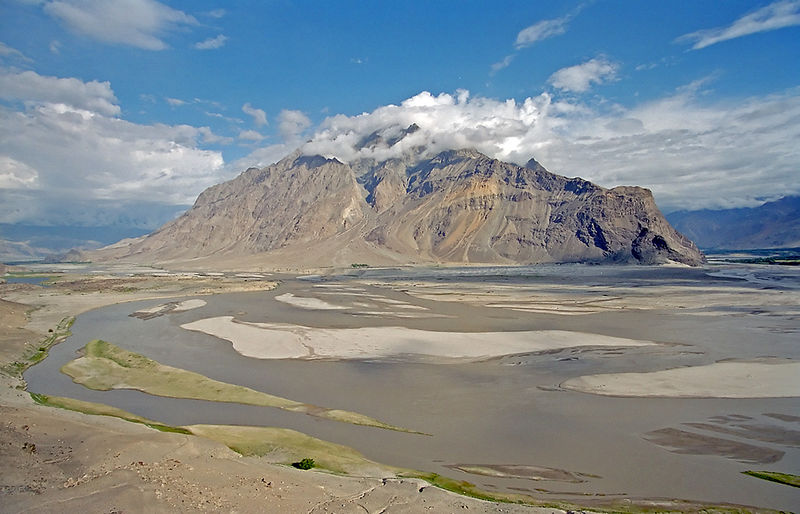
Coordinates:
(99,409)
(105,366)
(772,476)
(286,446)
(35,353)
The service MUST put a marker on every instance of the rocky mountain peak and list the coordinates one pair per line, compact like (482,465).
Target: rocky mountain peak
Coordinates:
(456,206)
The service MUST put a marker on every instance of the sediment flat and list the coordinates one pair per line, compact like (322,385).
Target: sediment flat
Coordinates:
(719,380)
(287,341)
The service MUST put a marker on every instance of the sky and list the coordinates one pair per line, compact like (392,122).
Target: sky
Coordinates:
(123,111)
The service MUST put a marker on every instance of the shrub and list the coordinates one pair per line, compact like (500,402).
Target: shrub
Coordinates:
(304,464)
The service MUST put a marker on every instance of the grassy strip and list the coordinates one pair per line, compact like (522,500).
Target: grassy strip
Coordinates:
(285,446)
(105,366)
(33,354)
(772,476)
(99,409)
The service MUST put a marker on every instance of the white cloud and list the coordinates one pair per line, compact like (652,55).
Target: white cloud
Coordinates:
(7,51)
(541,30)
(139,23)
(217,13)
(16,175)
(691,154)
(259,116)
(502,64)
(250,135)
(579,78)
(260,157)
(29,86)
(221,116)
(68,144)
(777,15)
(55,47)
(500,129)
(212,43)
(209,137)
(175,102)
(291,124)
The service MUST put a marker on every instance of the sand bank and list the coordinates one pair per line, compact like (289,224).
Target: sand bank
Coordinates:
(287,341)
(166,308)
(308,303)
(718,380)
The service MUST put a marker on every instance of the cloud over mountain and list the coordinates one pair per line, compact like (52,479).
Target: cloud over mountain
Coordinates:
(690,153)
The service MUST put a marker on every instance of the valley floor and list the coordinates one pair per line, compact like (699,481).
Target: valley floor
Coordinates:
(55,460)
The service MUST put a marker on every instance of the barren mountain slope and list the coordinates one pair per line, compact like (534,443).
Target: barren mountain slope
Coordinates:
(459,206)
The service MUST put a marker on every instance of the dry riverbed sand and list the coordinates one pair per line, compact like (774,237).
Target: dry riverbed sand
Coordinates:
(285,341)
(55,460)
(753,379)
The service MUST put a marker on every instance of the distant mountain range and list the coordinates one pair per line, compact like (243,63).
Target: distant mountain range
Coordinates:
(771,225)
(22,242)
(458,206)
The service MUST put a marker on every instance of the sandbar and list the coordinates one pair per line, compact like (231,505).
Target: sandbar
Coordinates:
(751,379)
(288,341)
(308,303)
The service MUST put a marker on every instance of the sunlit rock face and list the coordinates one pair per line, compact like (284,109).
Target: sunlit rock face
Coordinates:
(458,206)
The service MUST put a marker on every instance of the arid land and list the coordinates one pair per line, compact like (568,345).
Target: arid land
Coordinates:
(56,459)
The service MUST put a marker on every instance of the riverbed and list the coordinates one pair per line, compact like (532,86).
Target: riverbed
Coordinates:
(501,421)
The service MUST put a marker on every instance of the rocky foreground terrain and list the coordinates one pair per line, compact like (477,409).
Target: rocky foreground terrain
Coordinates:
(458,206)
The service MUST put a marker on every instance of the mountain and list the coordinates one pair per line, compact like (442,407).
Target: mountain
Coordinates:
(771,225)
(458,206)
(23,242)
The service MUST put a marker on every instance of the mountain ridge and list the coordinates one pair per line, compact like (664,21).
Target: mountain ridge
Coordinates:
(773,224)
(458,206)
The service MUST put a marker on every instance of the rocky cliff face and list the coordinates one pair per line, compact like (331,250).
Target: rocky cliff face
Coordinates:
(459,206)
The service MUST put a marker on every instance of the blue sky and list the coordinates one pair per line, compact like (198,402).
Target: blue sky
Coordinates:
(138,104)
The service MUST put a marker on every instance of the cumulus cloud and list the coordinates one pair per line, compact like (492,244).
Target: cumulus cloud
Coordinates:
(250,135)
(261,157)
(777,15)
(212,43)
(291,124)
(209,137)
(259,116)
(175,102)
(68,142)
(691,154)
(579,78)
(31,87)
(139,23)
(500,129)
(541,30)
(16,175)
